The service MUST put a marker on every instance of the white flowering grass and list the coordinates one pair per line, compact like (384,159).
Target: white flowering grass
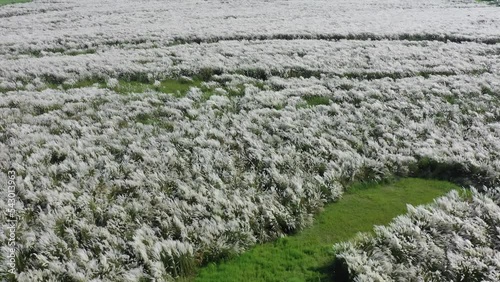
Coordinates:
(153,136)
(98,169)
(94,23)
(454,239)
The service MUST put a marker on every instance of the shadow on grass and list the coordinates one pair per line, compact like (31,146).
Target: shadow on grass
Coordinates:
(328,272)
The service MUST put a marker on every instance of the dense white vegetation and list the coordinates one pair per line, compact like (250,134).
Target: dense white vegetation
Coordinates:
(102,173)
(352,58)
(454,239)
(73,24)
(122,186)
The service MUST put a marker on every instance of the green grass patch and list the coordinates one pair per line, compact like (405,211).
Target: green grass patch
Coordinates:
(149,119)
(239,90)
(451,99)
(177,87)
(86,83)
(80,52)
(492,2)
(126,87)
(317,100)
(307,256)
(6,2)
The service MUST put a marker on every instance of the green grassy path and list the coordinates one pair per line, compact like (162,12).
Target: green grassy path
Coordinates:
(5,2)
(307,256)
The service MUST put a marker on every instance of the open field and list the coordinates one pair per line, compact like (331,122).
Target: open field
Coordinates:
(141,139)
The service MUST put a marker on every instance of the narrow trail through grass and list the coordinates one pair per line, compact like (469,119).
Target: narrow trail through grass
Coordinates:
(307,256)
(6,2)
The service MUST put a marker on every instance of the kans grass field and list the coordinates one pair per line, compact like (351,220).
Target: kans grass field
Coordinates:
(173,140)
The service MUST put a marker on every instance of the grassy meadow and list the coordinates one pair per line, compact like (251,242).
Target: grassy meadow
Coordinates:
(307,256)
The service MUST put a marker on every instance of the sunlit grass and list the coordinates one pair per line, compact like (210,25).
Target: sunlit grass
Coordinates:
(317,100)
(492,2)
(6,2)
(176,87)
(307,256)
